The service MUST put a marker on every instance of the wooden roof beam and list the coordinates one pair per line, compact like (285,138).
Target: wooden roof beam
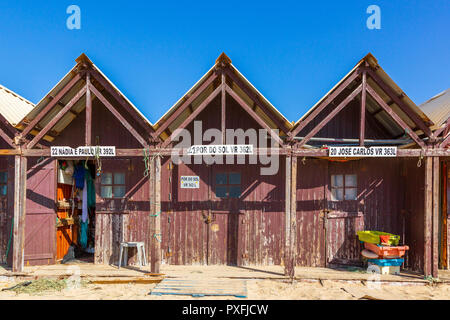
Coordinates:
(119,117)
(7,138)
(324,104)
(280,124)
(192,116)
(121,100)
(253,114)
(56,118)
(409,112)
(395,116)
(331,115)
(51,104)
(185,104)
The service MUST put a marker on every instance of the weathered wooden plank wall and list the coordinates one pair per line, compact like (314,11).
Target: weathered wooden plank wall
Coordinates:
(312,177)
(5,213)
(206,230)
(414,181)
(383,197)
(122,220)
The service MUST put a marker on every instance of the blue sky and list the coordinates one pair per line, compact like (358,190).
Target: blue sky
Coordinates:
(292,51)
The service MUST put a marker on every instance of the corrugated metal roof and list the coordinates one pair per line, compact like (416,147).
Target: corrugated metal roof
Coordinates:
(438,108)
(12,106)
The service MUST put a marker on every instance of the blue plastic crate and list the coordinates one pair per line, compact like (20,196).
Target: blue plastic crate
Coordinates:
(387,262)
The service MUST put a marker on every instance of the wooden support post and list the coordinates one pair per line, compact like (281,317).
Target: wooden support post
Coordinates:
(435,223)
(362,124)
(293,216)
(290,216)
(20,188)
(287,217)
(156,218)
(88,132)
(444,235)
(223,118)
(428,215)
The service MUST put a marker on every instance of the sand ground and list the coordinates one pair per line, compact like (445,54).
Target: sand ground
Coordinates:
(267,283)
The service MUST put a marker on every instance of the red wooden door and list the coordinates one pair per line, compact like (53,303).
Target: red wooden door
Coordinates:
(226,206)
(344,217)
(40,220)
(184,225)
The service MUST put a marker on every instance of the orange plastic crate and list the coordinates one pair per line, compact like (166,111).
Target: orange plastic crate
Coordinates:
(386,251)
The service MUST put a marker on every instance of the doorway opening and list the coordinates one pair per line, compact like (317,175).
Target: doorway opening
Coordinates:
(75,208)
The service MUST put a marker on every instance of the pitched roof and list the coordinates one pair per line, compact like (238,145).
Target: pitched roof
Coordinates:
(223,58)
(78,106)
(382,117)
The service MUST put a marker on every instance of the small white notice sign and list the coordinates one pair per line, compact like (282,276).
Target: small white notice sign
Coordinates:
(190,182)
(83,151)
(226,149)
(362,152)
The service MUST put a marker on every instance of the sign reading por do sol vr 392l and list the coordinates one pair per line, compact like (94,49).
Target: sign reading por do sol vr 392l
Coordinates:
(190,182)
(362,152)
(83,151)
(225,149)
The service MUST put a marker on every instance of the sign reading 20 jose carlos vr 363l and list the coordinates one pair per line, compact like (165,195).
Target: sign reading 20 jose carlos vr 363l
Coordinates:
(83,151)
(362,152)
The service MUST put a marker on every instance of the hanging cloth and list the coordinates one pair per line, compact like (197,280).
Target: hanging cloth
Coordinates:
(90,189)
(83,234)
(78,175)
(84,205)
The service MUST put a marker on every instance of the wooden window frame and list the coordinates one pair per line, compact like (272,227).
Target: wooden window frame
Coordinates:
(227,185)
(344,187)
(113,184)
(4,184)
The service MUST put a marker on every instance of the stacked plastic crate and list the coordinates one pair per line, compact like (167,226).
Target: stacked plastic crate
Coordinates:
(382,251)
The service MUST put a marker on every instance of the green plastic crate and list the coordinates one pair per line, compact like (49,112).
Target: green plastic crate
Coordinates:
(374,237)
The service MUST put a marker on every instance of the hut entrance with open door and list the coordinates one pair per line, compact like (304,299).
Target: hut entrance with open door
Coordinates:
(75,205)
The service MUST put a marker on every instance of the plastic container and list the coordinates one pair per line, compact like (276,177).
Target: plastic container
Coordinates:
(386,251)
(387,262)
(384,270)
(374,237)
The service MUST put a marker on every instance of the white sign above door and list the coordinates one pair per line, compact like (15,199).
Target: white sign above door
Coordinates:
(225,149)
(358,152)
(102,151)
